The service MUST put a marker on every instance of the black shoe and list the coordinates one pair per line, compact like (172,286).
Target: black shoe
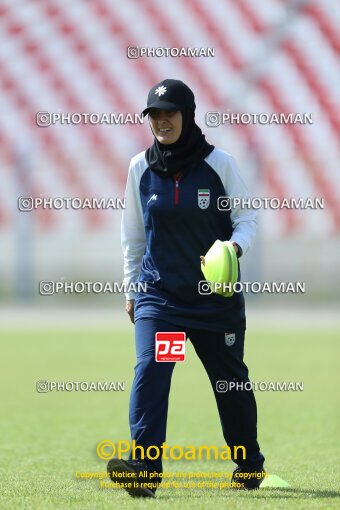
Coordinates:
(135,485)
(249,477)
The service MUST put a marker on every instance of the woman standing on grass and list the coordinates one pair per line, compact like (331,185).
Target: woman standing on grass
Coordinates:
(171,219)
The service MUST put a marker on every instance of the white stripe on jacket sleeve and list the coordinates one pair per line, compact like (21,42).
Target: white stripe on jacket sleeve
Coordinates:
(133,238)
(243,219)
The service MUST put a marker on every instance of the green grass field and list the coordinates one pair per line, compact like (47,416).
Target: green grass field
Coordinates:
(46,438)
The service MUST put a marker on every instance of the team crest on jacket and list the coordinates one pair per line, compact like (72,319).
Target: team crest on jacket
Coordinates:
(229,339)
(203,198)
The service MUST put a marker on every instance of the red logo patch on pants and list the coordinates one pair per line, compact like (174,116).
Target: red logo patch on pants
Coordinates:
(170,346)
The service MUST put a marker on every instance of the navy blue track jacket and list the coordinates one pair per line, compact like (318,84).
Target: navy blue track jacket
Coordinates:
(167,224)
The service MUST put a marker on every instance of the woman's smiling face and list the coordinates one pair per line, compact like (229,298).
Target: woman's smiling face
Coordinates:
(166,125)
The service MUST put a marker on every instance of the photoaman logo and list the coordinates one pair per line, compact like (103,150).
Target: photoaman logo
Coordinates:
(107,450)
(170,346)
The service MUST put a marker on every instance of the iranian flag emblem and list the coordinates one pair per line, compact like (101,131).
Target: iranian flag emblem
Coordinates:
(203,198)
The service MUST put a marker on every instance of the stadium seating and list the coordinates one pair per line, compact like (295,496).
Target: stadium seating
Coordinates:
(61,56)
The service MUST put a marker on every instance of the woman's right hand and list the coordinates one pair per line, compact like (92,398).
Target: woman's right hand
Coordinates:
(130,308)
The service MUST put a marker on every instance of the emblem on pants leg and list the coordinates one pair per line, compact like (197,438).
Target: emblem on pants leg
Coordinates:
(229,339)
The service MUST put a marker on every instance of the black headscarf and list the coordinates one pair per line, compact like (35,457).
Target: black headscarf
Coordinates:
(188,150)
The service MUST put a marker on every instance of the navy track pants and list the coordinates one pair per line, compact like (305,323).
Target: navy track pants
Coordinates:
(151,387)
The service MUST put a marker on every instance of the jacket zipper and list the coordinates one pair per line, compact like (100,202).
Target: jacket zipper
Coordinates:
(177,179)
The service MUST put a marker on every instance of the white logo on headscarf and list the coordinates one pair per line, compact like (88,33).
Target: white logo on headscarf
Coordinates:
(160,90)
